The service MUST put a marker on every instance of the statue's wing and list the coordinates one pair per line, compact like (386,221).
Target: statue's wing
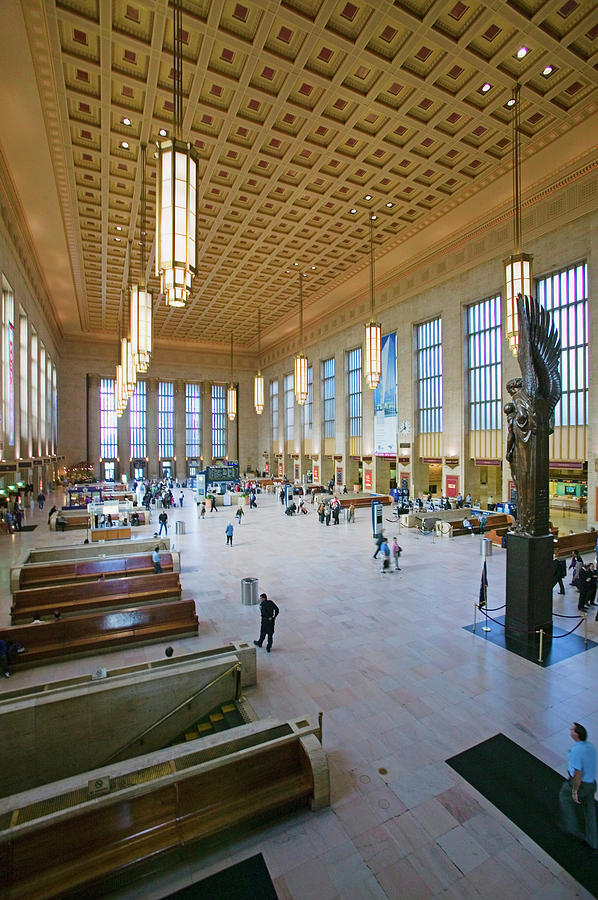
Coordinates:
(544,351)
(529,376)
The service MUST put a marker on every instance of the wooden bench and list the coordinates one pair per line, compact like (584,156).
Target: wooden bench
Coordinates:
(346,500)
(584,541)
(90,570)
(458,528)
(238,780)
(74,597)
(98,631)
(72,552)
(74,519)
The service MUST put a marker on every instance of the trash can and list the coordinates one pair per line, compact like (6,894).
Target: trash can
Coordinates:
(180,528)
(249,591)
(485,547)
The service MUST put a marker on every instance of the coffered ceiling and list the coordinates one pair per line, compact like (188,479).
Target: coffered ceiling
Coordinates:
(297,109)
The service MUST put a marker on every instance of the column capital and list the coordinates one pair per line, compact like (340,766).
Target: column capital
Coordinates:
(93,380)
(152,384)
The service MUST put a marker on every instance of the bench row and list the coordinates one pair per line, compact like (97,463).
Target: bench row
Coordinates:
(97,631)
(92,569)
(75,597)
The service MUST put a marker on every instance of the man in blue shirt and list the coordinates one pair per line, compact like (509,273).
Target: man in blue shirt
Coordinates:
(576,798)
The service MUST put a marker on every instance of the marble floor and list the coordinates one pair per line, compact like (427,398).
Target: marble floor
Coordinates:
(402,687)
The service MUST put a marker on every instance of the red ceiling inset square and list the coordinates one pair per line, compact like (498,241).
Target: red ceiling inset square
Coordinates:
(458,10)
(349,12)
(240,13)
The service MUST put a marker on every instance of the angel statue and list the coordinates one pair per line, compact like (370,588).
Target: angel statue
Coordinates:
(530,414)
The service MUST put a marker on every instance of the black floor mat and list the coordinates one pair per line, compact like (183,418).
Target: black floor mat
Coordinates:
(526,790)
(247,880)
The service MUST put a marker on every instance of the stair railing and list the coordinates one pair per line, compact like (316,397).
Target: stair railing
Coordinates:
(236,669)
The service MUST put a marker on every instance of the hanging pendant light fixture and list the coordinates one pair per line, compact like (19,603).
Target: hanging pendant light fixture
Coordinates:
(176,205)
(128,368)
(231,391)
(141,299)
(118,391)
(518,266)
(258,381)
(301,386)
(373,332)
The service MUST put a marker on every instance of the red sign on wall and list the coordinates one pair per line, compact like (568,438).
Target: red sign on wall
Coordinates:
(267,469)
(452,485)
(316,474)
(280,468)
(367,480)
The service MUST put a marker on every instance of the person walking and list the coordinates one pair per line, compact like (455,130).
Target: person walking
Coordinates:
(181,498)
(41,499)
(268,612)
(229,534)
(163,520)
(156,560)
(557,574)
(396,552)
(239,514)
(385,551)
(213,503)
(576,797)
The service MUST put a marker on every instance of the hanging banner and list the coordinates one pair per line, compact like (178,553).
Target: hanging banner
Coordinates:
(385,400)
(316,474)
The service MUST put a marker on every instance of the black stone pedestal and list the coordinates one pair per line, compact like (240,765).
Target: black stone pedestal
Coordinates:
(529,588)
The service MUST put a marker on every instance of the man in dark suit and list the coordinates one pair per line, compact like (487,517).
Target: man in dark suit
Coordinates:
(269,611)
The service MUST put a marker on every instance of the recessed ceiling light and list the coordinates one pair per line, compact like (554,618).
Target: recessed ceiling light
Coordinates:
(117,239)
(162,132)
(124,145)
(295,264)
(374,218)
(390,205)
(523,51)
(368,196)
(485,87)
(126,120)
(119,228)
(353,211)
(511,102)
(548,70)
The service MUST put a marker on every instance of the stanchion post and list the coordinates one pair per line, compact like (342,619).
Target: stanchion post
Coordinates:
(541,644)
(475,609)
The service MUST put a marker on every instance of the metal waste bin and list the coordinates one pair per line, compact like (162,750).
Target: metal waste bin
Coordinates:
(249,591)
(180,528)
(485,547)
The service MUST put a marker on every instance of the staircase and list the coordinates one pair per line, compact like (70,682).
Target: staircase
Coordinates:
(221,718)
